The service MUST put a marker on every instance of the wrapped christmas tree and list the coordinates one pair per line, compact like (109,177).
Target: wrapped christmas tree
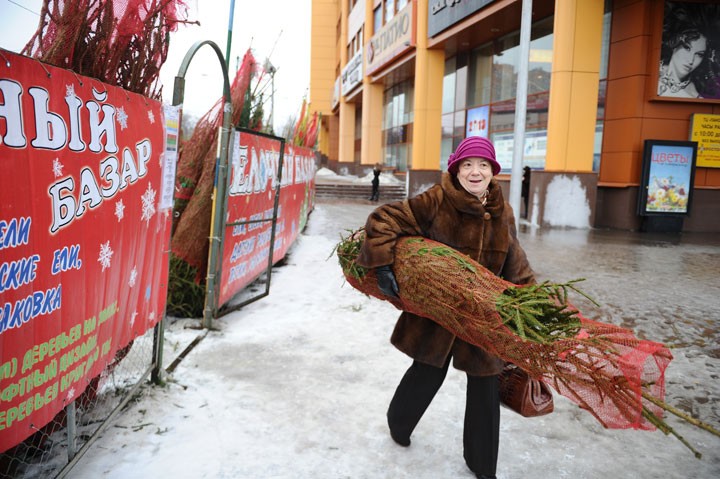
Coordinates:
(603,368)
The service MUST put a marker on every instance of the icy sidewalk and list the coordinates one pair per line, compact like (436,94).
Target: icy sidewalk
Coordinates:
(296,385)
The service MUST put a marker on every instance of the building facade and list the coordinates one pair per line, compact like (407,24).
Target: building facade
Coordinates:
(402,82)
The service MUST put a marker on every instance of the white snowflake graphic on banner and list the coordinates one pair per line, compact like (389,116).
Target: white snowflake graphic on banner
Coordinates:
(132,318)
(71,393)
(122,118)
(148,203)
(120,210)
(152,316)
(133,277)
(105,255)
(151,117)
(57,168)
(69,90)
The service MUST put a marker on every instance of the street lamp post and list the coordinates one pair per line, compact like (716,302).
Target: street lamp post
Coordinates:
(270,68)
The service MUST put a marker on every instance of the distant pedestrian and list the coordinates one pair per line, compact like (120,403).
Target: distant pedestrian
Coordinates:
(375,196)
(525,190)
(466,211)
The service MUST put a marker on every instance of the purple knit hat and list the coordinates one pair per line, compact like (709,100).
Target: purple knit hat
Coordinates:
(474,147)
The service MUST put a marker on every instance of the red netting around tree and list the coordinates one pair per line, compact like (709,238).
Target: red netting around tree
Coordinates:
(196,174)
(603,368)
(120,42)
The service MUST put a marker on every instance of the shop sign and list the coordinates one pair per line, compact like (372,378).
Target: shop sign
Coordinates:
(352,74)
(336,94)
(667,177)
(392,40)
(705,130)
(445,13)
(477,121)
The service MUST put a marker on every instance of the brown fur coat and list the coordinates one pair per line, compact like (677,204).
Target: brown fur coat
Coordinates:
(449,214)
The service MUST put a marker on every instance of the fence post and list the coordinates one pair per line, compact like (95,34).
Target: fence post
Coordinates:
(221,166)
(71,430)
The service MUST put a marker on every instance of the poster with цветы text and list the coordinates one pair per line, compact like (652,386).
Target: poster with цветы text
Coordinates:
(667,177)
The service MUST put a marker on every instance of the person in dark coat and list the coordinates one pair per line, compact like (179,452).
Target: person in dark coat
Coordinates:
(525,190)
(375,196)
(467,212)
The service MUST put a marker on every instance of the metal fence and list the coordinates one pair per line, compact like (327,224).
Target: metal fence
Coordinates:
(53,450)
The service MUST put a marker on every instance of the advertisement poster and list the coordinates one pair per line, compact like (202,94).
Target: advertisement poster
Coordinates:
(251,200)
(689,66)
(83,241)
(705,130)
(477,121)
(533,154)
(668,171)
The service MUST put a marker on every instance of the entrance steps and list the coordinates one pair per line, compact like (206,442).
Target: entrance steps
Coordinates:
(391,192)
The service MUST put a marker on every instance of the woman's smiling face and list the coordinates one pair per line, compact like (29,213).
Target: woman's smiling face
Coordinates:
(474,174)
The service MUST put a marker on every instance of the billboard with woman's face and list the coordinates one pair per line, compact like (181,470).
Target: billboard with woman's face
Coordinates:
(690,53)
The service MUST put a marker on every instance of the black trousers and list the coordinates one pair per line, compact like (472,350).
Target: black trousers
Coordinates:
(375,196)
(481,433)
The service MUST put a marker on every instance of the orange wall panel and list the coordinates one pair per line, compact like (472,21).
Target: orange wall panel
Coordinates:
(664,129)
(674,110)
(630,20)
(628,57)
(712,178)
(627,100)
(622,135)
(623,167)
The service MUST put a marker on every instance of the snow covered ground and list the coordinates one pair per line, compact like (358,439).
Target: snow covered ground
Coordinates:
(296,385)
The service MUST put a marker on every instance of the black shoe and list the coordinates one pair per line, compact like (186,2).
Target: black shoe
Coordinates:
(403,441)
(483,476)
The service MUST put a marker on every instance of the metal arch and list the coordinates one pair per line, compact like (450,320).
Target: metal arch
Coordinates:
(179,91)
(221,166)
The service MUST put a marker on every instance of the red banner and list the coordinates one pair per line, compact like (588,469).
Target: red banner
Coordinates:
(83,234)
(251,199)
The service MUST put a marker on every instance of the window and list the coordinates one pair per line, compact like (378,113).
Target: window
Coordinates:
(355,44)
(385,12)
(480,75)
(389,10)
(602,91)
(485,81)
(377,19)
(397,125)
(448,91)
(358,135)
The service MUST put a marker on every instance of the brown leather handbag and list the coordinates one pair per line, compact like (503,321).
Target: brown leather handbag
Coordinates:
(524,395)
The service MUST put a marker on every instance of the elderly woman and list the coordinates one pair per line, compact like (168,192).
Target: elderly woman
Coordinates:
(467,212)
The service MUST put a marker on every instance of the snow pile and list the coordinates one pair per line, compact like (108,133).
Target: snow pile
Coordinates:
(326,175)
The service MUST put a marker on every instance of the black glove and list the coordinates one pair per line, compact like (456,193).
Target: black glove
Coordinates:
(386,281)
